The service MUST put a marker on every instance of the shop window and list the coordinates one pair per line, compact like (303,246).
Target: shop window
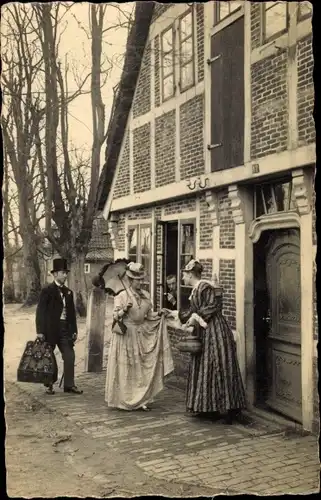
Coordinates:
(186,252)
(274,20)
(304,10)
(175,246)
(222,10)
(273,198)
(139,249)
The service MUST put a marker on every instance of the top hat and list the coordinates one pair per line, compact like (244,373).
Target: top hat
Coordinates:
(59,265)
(192,265)
(135,271)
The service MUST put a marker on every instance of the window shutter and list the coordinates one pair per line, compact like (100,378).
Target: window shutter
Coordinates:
(227,96)
(216,64)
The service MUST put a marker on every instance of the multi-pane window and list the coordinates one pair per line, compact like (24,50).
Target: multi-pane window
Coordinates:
(304,10)
(272,198)
(186,51)
(139,249)
(178,56)
(274,19)
(186,252)
(167,64)
(225,9)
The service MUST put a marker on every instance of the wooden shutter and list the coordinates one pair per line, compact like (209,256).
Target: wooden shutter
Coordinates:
(227,94)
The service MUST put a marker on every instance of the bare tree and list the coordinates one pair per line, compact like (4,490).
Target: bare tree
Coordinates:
(21,117)
(53,182)
(71,195)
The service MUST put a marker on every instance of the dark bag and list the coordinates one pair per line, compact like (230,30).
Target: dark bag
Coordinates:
(38,364)
(119,327)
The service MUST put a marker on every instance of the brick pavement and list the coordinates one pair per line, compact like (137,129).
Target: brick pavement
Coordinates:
(167,444)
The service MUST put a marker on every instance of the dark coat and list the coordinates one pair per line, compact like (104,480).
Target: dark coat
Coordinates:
(49,310)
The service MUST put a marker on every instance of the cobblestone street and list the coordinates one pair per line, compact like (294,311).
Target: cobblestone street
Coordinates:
(166,444)
(170,445)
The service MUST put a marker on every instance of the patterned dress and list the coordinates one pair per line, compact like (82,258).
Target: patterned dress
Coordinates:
(214,378)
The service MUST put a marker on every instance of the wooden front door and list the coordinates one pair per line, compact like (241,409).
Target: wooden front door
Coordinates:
(227,97)
(284,337)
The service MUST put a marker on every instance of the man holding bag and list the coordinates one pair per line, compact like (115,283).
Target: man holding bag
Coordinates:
(56,322)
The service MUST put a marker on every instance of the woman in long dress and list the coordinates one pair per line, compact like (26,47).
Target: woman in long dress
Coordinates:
(139,359)
(214,379)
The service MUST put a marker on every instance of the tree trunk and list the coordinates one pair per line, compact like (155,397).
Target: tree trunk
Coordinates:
(32,269)
(77,283)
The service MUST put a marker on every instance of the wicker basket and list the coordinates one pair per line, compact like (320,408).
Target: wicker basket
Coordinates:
(191,344)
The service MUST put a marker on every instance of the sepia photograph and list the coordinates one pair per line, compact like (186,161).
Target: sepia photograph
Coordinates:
(159,233)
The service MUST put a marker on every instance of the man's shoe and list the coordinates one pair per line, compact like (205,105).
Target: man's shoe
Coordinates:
(73,390)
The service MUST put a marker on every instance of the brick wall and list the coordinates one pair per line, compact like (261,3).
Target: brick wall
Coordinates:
(165,135)
(227,226)
(227,280)
(306,126)
(140,213)
(255,25)
(142,171)
(192,139)
(269,127)
(206,226)
(316,407)
(314,217)
(180,206)
(207,268)
(122,186)
(157,70)
(315,305)
(200,40)
(121,236)
(141,103)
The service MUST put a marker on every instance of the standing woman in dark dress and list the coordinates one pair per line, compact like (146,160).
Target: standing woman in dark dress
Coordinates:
(214,379)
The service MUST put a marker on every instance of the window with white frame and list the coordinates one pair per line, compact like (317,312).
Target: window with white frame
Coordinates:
(167,63)
(186,51)
(178,55)
(222,10)
(139,248)
(304,10)
(87,268)
(274,20)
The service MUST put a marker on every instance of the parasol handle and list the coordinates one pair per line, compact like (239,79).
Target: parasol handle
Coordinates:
(121,280)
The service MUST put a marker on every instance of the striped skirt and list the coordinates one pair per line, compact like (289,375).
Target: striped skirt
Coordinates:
(214,378)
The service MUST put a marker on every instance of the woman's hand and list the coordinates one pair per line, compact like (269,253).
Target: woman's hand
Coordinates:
(165,312)
(191,322)
(128,306)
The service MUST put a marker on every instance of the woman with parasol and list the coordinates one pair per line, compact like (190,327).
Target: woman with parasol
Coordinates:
(139,354)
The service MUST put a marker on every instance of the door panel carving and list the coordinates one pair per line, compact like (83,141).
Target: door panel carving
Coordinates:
(284,339)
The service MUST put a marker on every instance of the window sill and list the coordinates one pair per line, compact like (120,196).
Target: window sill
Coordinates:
(271,48)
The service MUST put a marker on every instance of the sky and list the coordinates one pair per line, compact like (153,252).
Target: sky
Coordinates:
(74,42)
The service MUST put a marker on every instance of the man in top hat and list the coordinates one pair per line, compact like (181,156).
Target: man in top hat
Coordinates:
(56,322)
